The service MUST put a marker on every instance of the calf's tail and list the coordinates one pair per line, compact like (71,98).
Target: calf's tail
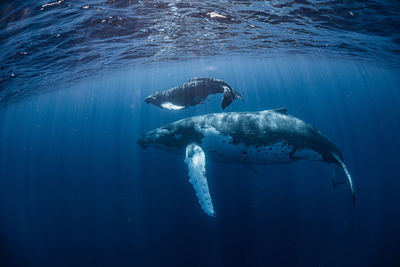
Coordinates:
(229,96)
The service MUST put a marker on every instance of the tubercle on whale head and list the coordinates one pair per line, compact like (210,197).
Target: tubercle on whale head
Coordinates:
(151,138)
(156,99)
(161,137)
(151,99)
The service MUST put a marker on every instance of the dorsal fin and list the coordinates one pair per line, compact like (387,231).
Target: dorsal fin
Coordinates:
(281,110)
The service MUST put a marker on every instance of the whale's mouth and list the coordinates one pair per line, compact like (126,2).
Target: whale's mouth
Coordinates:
(142,143)
(148,100)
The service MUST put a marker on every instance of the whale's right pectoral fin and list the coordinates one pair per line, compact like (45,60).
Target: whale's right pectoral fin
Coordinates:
(196,163)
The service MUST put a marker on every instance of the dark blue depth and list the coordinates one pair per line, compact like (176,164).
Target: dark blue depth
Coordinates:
(76,189)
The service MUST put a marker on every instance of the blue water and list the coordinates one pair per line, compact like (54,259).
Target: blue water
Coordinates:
(76,189)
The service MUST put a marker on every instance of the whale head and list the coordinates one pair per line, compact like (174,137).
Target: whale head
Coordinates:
(171,137)
(159,100)
(153,99)
(159,136)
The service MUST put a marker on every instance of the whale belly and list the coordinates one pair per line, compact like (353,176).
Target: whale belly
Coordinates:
(221,148)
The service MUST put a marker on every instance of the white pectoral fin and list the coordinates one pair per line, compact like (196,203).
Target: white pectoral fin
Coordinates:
(196,163)
(171,106)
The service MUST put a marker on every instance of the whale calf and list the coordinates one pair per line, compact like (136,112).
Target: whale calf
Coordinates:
(193,92)
(256,138)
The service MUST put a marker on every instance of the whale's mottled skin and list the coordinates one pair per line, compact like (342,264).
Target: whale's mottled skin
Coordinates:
(193,92)
(264,137)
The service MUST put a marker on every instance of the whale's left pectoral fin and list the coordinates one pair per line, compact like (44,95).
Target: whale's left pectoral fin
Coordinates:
(196,163)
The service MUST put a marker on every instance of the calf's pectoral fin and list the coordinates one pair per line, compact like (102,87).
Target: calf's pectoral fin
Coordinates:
(170,106)
(196,163)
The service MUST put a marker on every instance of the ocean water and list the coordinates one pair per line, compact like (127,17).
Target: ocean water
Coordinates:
(76,189)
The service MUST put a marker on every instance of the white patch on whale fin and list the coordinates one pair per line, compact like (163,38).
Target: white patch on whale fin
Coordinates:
(281,110)
(196,163)
(170,106)
(346,171)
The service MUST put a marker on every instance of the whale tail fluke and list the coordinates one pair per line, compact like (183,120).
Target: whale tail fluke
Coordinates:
(229,96)
(346,171)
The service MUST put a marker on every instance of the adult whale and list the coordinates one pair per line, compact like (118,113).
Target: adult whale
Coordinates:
(264,137)
(193,92)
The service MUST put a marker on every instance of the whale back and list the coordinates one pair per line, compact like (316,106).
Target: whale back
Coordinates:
(267,130)
(263,129)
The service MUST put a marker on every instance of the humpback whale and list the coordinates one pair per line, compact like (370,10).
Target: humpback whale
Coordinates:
(193,92)
(256,138)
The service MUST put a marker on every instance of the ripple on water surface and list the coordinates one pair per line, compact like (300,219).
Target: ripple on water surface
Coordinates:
(43,40)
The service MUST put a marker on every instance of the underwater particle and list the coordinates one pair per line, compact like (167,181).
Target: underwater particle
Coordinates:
(85,7)
(210,68)
(351,13)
